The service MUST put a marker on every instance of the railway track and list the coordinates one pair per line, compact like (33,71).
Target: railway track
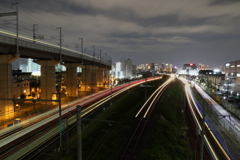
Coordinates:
(142,119)
(44,136)
(214,148)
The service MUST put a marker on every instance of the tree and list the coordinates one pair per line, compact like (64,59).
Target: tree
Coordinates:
(33,94)
(58,88)
(202,80)
(22,96)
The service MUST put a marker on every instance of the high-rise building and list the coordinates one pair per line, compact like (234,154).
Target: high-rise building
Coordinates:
(123,69)
(152,66)
(127,67)
(30,66)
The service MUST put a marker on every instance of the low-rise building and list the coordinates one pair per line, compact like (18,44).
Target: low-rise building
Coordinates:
(20,87)
(232,77)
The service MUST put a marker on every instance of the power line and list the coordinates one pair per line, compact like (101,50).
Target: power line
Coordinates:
(44,28)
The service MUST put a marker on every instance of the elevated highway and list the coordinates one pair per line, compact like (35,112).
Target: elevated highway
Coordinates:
(40,50)
(95,70)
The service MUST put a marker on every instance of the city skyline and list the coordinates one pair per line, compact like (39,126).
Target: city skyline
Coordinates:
(176,32)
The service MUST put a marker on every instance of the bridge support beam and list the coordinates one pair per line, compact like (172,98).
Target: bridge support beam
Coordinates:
(71,79)
(86,77)
(6,106)
(48,78)
(100,77)
(93,77)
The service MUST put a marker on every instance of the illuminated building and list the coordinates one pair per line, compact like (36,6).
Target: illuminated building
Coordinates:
(232,77)
(188,69)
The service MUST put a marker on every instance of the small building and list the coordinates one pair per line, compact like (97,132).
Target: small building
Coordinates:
(232,77)
(213,78)
(20,87)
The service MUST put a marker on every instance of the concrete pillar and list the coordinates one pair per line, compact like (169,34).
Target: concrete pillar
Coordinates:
(105,78)
(100,77)
(48,78)
(6,106)
(71,79)
(85,77)
(93,77)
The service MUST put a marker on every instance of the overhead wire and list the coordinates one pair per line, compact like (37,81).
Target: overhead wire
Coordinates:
(44,28)
(48,24)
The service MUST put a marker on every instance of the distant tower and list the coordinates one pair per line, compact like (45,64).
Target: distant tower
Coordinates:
(152,67)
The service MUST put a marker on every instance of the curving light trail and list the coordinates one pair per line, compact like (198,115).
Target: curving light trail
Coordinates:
(156,93)
(198,122)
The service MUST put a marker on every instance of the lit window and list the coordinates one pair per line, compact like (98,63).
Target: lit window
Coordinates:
(238,65)
(232,66)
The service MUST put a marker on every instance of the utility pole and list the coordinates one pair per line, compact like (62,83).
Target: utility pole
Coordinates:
(81,49)
(145,87)
(35,28)
(111,94)
(60,117)
(60,56)
(203,130)
(79,133)
(79,130)
(100,57)
(77,46)
(16,4)
(106,59)
(93,55)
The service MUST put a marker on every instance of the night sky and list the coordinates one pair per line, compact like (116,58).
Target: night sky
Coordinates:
(159,31)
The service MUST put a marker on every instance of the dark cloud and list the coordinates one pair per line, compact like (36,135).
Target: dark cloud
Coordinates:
(222,2)
(177,32)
